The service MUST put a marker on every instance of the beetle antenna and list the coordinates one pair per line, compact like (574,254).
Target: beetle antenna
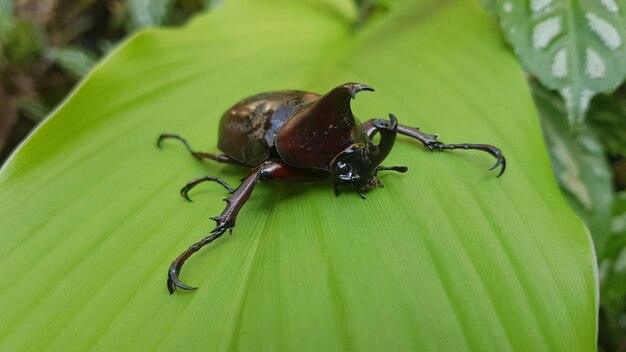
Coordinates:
(400,169)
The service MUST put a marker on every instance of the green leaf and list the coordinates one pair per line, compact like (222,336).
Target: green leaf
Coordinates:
(573,46)
(24,43)
(74,60)
(490,6)
(211,4)
(6,20)
(445,257)
(579,164)
(148,13)
(34,109)
(607,117)
(617,243)
(613,278)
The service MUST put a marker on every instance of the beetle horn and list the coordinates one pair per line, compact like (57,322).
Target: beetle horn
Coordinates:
(388,131)
(354,88)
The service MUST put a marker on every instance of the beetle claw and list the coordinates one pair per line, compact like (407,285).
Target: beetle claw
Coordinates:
(173,282)
(431,142)
(501,161)
(185,193)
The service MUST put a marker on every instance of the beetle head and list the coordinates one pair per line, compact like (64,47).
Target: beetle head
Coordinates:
(358,164)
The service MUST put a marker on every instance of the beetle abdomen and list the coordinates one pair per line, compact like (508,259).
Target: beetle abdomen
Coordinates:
(248,129)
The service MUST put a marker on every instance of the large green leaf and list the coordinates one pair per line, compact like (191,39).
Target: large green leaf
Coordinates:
(445,257)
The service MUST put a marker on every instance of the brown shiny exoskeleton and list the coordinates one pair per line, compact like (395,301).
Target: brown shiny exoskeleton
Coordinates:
(297,136)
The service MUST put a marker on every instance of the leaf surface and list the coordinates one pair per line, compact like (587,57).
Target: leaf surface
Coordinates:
(445,257)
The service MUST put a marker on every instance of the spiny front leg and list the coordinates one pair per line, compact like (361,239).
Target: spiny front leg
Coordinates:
(269,170)
(226,221)
(430,141)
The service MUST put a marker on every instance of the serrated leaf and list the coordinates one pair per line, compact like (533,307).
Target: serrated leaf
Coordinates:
(579,163)
(576,47)
(445,257)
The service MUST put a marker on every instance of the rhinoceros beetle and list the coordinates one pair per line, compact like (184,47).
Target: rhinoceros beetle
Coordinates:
(297,136)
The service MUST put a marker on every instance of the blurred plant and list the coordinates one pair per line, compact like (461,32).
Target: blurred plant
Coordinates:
(42,58)
(580,163)
(613,281)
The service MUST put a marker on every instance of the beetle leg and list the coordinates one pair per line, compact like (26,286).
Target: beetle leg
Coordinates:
(430,141)
(193,183)
(226,221)
(269,170)
(220,158)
